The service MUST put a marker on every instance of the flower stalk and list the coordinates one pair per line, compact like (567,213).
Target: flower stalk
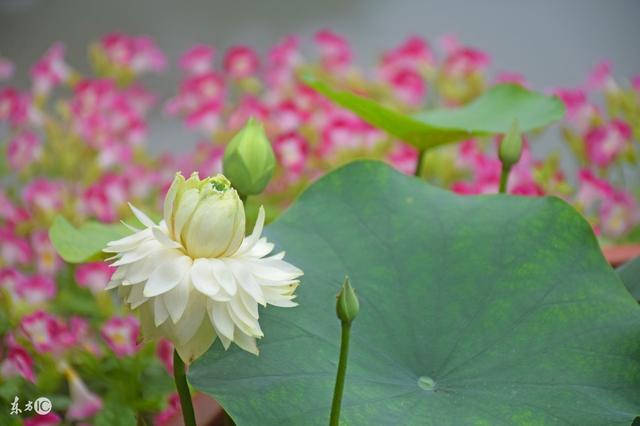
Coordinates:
(419,163)
(183,390)
(347,308)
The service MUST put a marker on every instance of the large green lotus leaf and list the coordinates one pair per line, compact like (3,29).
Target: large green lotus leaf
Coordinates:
(630,275)
(77,245)
(504,303)
(493,112)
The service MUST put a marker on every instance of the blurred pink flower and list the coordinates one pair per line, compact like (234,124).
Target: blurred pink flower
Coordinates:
(166,416)
(591,189)
(635,83)
(414,53)
(600,78)
(84,403)
(249,106)
(283,58)
(49,419)
(23,150)
(407,85)
(44,195)
(6,69)
(580,113)
(287,116)
(197,60)
(121,335)
(335,52)
(18,363)
(619,213)
(448,43)
(8,211)
(507,77)
(50,71)
(465,61)
(138,54)
(199,101)
(604,143)
(10,280)
(104,115)
(164,352)
(36,289)
(241,62)
(14,106)
(403,157)
(292,151)
(341,130)
(46,332)
(114,154)
(79,327)
(94,275)
(14,250)
(47,260)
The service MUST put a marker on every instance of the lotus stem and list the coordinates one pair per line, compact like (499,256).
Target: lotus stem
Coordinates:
(342,370)
(183,390)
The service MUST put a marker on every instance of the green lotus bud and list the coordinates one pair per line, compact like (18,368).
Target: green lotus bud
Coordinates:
(347,306)
(511,146)
(249,159)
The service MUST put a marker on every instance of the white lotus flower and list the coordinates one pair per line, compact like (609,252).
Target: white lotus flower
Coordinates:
(195,276)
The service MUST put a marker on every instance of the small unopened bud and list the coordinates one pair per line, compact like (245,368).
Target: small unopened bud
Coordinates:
(347,306)
(249,160)
(511,147)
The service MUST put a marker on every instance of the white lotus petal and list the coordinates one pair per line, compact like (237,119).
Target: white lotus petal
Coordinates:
(198,344)
(188,324)
(245,342)
(187,205)
(249,303)
(129,227)
(164,238)
(169,201)
(140,271)
(202,277)
(129,242)
(160,312)
(142,251)
(136,296)
(175,300)
(143,218)
(225,341)
(261,248)
(245,279)
(274,269)
(167,275)
(113,284)
(223,276)
(252,239)
(242,318)
(221,319)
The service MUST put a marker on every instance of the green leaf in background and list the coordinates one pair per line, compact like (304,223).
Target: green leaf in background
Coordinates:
(629,273)
(77,245)
(483,310)
(494,112)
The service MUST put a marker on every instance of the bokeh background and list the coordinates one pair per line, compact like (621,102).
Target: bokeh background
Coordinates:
(553,43)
